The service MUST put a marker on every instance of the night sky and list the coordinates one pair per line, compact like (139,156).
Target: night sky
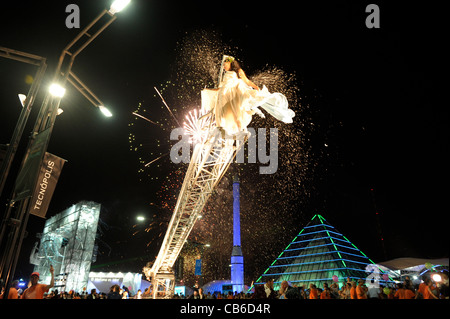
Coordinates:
(375,118)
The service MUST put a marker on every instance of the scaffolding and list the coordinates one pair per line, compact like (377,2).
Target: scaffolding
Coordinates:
(68,243)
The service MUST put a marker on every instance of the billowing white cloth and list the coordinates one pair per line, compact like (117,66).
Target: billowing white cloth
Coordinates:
(235,102)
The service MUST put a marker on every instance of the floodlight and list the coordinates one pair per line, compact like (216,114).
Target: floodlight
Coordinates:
(57,90)
(118,5)
(22,98)
(105,111)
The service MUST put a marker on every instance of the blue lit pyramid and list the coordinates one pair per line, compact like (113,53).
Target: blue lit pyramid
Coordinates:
(318,253)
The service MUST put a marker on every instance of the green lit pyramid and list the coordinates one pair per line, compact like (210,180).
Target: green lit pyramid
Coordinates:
(318,253)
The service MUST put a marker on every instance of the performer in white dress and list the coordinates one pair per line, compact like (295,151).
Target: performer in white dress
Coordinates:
(238,98)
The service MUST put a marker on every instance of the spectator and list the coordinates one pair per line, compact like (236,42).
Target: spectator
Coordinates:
(353,294)
(407,284)
(361,290)
(313,292)
(93,294)
(344,293)
(268,288)
(428,291)
(138,294)
(114,293)
(195,295)
(13,292)
(200,294)
(334,290)
(259,292)
(403,293)
(325,294)
(36,290)
(283,288)
(288,292)
(302,292)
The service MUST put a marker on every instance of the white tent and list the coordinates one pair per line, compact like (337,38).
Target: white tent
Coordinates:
(412,263)
(102,282)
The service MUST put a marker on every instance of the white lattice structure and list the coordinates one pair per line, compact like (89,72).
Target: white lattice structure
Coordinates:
(209,162)
(67,243)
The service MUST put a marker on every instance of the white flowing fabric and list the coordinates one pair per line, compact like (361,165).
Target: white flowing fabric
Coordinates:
(235,102)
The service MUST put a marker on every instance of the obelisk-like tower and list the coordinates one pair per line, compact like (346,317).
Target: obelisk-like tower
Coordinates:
(237,260)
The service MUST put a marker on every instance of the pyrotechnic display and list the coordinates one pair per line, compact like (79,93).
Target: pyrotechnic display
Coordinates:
(215,150)
(198,66)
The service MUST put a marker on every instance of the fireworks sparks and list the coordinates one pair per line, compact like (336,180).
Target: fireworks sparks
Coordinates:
(196,126)
(142,117)
(164,102)
(270,204)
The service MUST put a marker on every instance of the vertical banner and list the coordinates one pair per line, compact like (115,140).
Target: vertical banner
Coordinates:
(48,177)
(198,267)
(27,175)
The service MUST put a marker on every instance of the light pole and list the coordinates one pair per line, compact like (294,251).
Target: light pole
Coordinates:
(27,103)
(37,146)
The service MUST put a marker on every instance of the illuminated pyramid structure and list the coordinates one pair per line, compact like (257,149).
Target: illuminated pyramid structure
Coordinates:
(318,253)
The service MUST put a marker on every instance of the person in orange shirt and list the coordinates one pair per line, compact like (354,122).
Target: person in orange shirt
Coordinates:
(353,294)
(428,294)
(325,294)
(313,292)
(361,290)
(13,293)
(403,293)
(421,290)
(36,290)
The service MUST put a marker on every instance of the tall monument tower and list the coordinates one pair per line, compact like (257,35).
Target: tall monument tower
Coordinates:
(237,259)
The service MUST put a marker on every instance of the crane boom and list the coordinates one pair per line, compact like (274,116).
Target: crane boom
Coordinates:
(209,162)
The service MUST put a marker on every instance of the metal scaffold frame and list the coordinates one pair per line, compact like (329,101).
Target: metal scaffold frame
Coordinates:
(208,164)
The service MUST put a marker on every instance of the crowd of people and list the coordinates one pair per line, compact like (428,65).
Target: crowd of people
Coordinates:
(427,289)
(351,289)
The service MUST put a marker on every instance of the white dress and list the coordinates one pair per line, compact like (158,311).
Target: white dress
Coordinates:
(234,103)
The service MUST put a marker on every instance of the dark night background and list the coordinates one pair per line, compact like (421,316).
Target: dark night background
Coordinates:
(376,105)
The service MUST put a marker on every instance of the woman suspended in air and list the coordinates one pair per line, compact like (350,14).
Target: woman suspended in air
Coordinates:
(238,98)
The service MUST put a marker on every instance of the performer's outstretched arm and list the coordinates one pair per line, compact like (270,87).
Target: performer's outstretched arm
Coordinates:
(246,80)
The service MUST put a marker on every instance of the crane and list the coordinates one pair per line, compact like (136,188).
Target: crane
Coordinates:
(211,158)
